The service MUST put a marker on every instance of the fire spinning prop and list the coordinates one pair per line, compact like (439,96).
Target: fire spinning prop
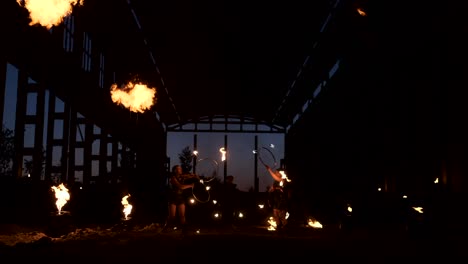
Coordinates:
(136,97)
(266,156)
(127,206)
(48,13)
(207,170)
(62,195)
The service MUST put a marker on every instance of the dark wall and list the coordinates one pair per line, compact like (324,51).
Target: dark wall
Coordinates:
(392,116)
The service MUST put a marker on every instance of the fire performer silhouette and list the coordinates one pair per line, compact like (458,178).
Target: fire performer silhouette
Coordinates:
(279,197)
(177,197)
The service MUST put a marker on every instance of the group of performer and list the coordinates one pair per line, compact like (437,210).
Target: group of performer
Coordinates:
(179,182)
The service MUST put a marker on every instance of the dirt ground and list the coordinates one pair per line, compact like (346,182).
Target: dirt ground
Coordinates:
(126,243)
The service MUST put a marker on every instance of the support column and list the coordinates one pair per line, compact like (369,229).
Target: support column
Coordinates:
(225,161)
(72,146)
(38,155)
(87,152)
(3,69)
(50,136)
(65,143)
(256,164)
(19,123)
(195,146)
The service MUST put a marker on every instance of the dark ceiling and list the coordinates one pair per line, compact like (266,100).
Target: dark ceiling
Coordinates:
(205,58)
(213,57)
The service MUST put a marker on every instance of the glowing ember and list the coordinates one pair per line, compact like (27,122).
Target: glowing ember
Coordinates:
(62,195)
(48,13)
(223,154)
(136,97)
(314,223)
(127,207)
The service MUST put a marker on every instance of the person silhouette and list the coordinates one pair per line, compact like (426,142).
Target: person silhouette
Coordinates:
(177,199)
(229,201)
(278,198)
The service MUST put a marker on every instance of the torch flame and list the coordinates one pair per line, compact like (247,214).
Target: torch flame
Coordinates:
(314,223)
(272,223)
(137,97)
(127,207)
(223,154)
(361,11)
(284,177)
(62,195)
(48,13)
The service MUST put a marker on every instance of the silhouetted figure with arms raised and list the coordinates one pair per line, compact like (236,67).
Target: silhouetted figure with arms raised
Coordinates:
(176,198)
(278,198)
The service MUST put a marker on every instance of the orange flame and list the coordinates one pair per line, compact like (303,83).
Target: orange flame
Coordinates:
(62,195)
(314,223)
(127,206)
(137,97)
(361,11)
(48,13)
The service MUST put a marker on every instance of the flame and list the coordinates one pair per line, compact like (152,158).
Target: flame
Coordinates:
(62,195)
(436,180)
(223,154)
(127,207)
(284,177)
(361,11)
(418,209)
(272,223)
(137,97)
(48,13)
(314,223)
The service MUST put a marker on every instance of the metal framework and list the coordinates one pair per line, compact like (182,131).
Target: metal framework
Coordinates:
(226,124)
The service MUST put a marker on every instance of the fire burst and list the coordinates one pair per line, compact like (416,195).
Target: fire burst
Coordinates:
(127,207)
(136,97)
(48,13)
(62,195)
